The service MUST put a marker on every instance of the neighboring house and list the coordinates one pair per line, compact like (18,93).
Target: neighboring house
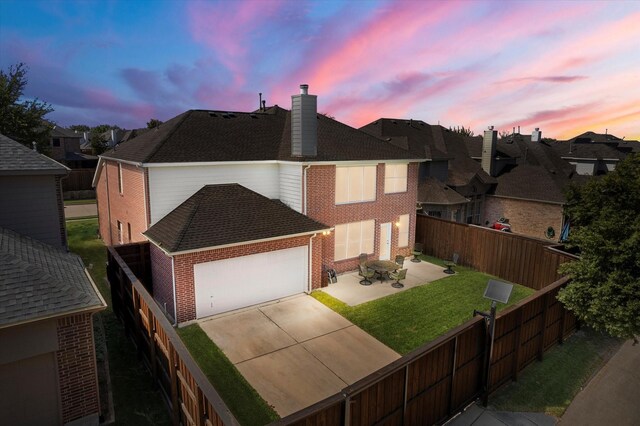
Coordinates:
(47,357)
(65,148)
(531,180)
(114,137)
(594,154)
(451,185)
(31,193)
(298,174)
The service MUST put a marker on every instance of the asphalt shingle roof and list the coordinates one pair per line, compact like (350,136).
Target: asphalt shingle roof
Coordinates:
(16,158)
(432,191)
(38,280)
(224,214)
(207,136)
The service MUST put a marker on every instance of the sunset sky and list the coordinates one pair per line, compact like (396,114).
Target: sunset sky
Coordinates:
(566,67)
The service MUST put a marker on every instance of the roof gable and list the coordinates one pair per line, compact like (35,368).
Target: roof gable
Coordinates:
(38,280)
(16,158)
(227,214)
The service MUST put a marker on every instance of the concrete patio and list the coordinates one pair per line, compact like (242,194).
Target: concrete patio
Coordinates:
(349,290)
(296,352)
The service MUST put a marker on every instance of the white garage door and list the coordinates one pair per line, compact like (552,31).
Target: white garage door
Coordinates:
(229,284)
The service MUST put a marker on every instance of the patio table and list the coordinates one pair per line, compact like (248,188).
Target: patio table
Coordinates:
(382,267)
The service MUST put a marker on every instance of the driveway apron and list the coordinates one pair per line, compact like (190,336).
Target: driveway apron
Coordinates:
(297,352)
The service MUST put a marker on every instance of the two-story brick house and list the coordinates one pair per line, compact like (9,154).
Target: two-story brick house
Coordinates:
(320,189)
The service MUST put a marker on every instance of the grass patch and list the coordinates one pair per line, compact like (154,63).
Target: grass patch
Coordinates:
(245,403)
(136,399)
(407,320)
(550,386)
(79,202)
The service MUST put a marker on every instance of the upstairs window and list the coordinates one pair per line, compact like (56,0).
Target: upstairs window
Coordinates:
(395,178)
(355,184)
(120,177)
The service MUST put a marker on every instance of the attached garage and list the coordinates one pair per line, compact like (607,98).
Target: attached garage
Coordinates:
(229,284)
(227,247)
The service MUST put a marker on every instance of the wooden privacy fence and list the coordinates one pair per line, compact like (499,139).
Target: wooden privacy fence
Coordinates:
(78,180)
(515,258)
(436,381)
(186,390)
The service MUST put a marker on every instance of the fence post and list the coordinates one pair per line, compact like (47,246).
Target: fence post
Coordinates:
(405,394)
(152,344)
(137,334)
(453,374)
(545,309)
(516,355)
(173,377)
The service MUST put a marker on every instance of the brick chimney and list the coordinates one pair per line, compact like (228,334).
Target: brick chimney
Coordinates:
(489,150)
(304,123)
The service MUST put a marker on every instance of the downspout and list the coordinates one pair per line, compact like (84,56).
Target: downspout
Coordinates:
(310,262)
(175,303)
(147,218)
(304,187)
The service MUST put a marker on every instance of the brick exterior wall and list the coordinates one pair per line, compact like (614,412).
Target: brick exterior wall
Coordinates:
(77,367)
(321,206)
(183,264)
(530,218)
(128,207)
(162,279)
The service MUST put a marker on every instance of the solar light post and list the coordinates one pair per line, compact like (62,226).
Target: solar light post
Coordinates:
(496,291)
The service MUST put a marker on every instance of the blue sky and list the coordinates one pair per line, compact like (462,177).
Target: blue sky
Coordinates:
(565,67)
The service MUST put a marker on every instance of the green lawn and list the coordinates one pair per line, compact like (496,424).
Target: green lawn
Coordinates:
(407,320)
(551,385)
(136,400)
(76,202)
(245,403)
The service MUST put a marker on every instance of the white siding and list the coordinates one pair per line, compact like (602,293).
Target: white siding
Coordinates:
(291,186)
(171,186)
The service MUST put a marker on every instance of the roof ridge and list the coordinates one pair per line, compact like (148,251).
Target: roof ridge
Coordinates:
(159,145)
(199,194)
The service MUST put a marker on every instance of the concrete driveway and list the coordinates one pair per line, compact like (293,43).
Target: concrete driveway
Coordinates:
(296,352)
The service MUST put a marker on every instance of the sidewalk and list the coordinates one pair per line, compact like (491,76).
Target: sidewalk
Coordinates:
(612,397)
(80,210)
(477,415)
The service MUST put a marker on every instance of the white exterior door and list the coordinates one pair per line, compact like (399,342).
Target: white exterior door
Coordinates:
(229,284)
(385,241)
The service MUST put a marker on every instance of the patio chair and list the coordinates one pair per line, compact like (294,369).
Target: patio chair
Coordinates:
(366,274)
(451,263)
(417,251)
(400,261)
(399,275)
(362,258)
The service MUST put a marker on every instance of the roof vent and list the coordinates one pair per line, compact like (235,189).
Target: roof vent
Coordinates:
(212,114)
(252,115)
(394,121)
(230,114)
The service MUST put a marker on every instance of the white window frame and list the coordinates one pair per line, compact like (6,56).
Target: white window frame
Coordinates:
(347,180)
(403,230)
(120,186)
(350,244)
(395,178)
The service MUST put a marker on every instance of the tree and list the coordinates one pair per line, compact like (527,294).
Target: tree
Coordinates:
(604,291)
(462,130)
(23,120)
(153,123)
(80,128)
(97,140)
